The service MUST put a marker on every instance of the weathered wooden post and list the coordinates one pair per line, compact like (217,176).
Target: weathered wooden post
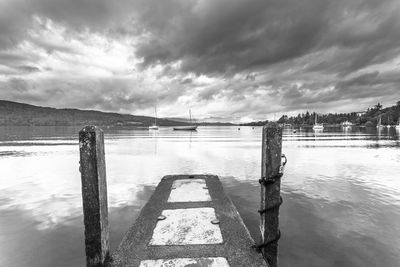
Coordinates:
(270,191)
(94,195)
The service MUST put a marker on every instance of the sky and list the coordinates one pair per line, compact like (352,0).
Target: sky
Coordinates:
(226,60)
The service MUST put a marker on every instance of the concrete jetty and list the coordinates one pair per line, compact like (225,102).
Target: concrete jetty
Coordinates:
(188,221)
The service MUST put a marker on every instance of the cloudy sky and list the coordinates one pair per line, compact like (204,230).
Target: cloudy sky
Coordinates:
(228,60)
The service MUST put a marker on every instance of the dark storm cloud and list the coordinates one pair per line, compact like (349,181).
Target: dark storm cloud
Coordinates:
(225,36)
(209,93)
(232,35)
(186,81)
(18,85)
(364,79)
(371,84)
(323,95)
(94,15)
(28,69)
(229,36)
(20,89)
(15,59)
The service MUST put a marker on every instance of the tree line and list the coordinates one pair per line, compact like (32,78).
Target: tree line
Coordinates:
(389,116)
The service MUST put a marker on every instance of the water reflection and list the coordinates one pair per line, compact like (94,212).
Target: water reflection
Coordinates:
(341,189)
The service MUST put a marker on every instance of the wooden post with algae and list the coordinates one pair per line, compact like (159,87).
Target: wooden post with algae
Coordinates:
(270,191)
(94,195)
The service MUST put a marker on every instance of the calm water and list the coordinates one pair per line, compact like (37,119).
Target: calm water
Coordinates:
(341,189)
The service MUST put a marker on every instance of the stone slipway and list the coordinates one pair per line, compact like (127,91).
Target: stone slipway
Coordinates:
(188,221)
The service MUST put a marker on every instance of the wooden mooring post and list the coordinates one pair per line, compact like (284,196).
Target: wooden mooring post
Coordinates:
(270,192)
(94,195)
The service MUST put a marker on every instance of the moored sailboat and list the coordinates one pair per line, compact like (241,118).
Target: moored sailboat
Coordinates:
(188,127)
(154,126)
(379,125)
(317,126)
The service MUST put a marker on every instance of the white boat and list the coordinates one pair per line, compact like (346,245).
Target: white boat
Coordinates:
(379,125)
(317,126)
(188,127)
(398,124)
(347,124)
(154,126)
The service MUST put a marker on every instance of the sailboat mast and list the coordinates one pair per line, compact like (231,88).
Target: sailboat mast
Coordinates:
(190,116)
(155,112)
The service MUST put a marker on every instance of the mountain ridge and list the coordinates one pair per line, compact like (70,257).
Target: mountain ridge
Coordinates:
(23,114)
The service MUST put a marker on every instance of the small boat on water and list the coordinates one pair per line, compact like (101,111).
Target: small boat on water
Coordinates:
(347,124)
(188,127)
(185,128)
(154,126)
(379,125)
(318,126)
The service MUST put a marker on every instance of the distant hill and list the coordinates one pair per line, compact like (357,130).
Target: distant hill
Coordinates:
(202,123)
(216,124)
(255,123)
(179,119)
(19,114)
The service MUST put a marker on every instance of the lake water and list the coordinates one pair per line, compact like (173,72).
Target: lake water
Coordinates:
(341,189)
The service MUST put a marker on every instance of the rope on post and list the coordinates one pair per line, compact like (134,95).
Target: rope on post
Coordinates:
(272,165)
(277,205)
(272,179)
(258,247)
(265,182)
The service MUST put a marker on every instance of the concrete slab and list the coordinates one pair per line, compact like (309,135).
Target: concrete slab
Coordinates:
(237,242)
(183,262)
(189,190)
(187,227)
